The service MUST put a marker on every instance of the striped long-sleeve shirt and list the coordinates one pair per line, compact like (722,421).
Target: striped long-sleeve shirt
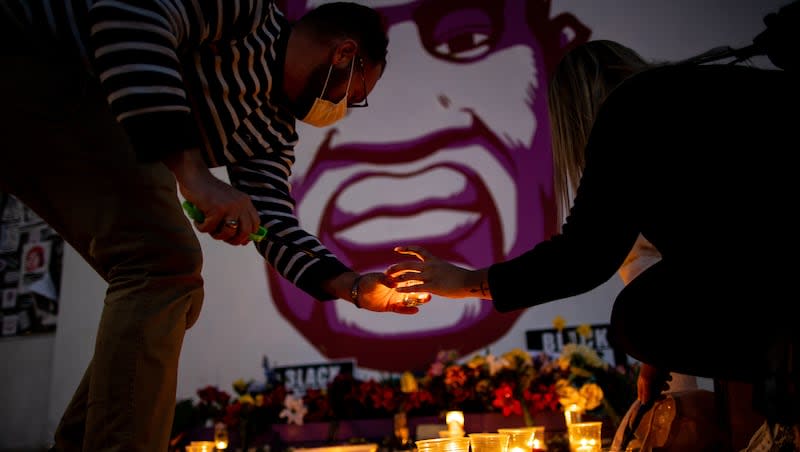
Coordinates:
(197,73)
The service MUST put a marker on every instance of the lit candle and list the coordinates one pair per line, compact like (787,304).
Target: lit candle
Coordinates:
(221,436)
(202,446)
(587,445)
(455,423)
(572,414)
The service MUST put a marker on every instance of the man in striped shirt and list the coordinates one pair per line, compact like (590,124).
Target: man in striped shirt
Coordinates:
(107,103)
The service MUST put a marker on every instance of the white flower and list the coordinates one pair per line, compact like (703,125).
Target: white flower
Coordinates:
(496,364)
(295,410)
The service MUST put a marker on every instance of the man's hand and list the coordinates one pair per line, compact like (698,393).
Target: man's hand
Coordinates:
(229,213)
(375,295)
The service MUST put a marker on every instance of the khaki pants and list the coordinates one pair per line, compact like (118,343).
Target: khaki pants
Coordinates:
(65,157)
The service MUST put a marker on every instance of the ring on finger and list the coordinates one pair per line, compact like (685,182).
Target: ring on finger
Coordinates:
(233,224)
(410,302)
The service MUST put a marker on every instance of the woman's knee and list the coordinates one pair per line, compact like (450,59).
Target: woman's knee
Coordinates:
(639,315)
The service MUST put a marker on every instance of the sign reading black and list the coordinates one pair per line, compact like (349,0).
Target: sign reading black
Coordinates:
(301,378)
(552,341)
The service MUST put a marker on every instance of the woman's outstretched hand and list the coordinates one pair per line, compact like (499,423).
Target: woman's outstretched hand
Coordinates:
(428,273)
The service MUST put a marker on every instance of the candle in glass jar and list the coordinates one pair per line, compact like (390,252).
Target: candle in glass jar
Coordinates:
(524,439)
(587,445)
(585,436)
(572,414)
(455,423)
(200,446)
(220,436)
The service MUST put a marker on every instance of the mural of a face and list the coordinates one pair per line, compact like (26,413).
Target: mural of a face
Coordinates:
(453,154)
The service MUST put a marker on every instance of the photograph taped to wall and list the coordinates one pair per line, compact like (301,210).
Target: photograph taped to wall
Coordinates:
(30,270)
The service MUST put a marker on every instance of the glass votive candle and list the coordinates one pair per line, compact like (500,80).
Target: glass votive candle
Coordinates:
(585,436)
(572,414)
(220,436)
(488,442)
(455,425)
(443,445)
(525,439)
(200,446)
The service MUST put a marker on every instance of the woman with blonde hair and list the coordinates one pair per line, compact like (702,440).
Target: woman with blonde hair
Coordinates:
(694,158)
(577,89)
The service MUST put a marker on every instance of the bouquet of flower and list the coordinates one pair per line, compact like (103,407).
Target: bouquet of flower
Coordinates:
(514,383)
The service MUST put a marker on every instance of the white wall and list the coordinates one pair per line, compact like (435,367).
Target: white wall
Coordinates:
(237,327)
(25,375)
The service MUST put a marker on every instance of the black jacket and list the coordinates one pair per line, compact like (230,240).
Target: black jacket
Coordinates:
(696,158)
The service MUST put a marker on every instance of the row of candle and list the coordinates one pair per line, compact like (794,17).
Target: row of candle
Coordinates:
(583,437)
(220,442)
(524,439)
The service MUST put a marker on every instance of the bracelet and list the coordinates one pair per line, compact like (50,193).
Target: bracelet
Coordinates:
(354,292)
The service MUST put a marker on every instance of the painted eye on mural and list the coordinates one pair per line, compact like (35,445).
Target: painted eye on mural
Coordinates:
(460,32)
(464,46)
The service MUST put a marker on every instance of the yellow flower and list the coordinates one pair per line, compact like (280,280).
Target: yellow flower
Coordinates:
(518,358)
(477,362)
(247,399)
(588,397)
(592,395)
(240,386)
(585,331)
(563,361)
(483,386)
(559,323)
(260,400)
(568,395)
(408,383)
(588,354)
(562,382)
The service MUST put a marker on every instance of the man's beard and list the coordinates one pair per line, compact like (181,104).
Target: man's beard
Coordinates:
(313,89)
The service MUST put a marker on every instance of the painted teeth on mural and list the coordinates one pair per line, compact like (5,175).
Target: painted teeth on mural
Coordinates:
(434,223)
(402,191)
(498,182)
